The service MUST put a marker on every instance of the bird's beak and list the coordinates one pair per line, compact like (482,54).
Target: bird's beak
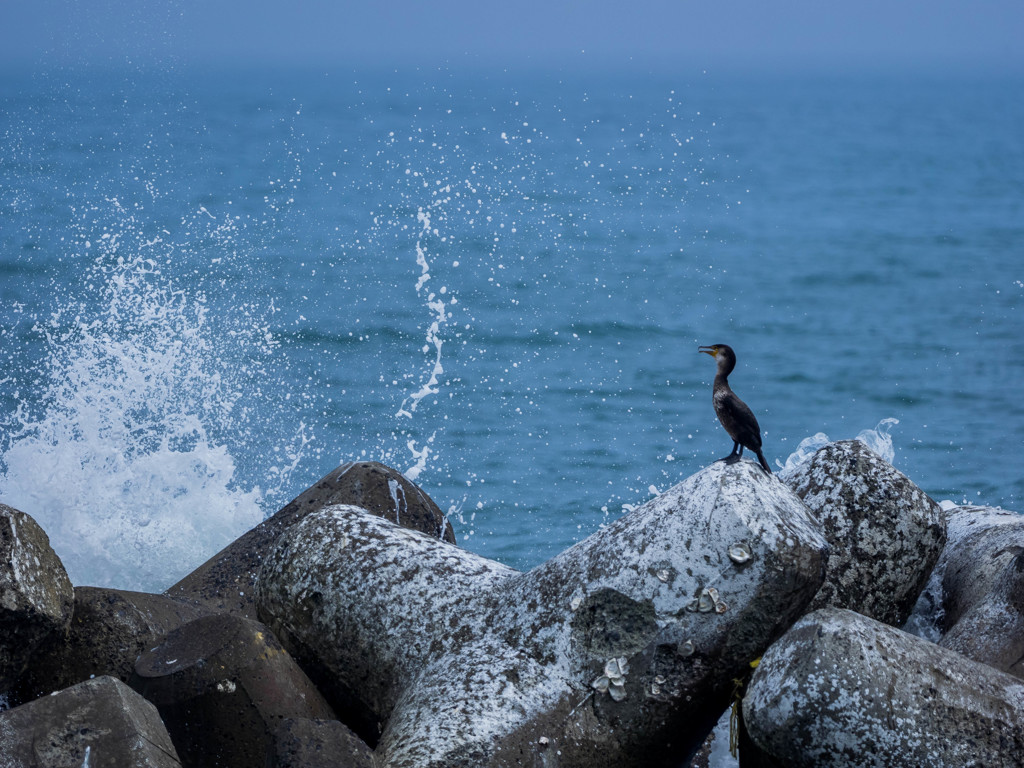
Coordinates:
(708,351)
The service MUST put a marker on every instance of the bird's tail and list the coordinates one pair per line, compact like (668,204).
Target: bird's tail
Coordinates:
(764,462)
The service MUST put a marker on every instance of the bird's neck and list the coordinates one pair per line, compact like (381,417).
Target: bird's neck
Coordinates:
(723,370)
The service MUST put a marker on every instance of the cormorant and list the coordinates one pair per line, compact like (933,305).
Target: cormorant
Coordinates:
(734,414)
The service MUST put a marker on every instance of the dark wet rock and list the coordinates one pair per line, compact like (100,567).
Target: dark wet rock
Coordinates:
(223,684)
(885,534)
(319,744)
(35,593)
(983,587)
(225,582)
(619,651)
(109,629)
(101,723)
(840,689)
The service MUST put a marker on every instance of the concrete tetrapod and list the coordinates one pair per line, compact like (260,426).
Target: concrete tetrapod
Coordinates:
(885,533)
(983,587)
(108,631)
(35,593)
(225,582)
(983,542)
(840,689)
(223,685)
(101,723)
(619,651)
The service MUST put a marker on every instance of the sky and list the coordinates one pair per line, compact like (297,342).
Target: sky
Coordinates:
(743,34)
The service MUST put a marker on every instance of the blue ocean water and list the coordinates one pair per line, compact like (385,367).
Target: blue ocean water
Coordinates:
(216,286)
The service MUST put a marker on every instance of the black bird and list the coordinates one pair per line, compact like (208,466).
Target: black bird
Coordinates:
(734,414)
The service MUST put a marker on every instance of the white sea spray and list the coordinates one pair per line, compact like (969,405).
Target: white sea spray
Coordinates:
(878,440)
(128,458)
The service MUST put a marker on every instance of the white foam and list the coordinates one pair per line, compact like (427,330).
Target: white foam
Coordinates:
(122,461)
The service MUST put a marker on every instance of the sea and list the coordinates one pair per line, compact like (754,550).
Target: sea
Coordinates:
(218,284)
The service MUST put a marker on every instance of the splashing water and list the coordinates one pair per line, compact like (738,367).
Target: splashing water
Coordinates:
(878,440)
(124,462)
(441,316)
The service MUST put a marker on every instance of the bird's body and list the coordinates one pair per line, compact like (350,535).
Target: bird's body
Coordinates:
(737,418)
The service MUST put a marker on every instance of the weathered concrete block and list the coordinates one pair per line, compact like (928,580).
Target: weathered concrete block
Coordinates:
(992,631)
(885,534)
(101,723)
(983,542)
(223,684)
(226,581)
(620,651)
(35,593)
(109,629)
(319,744)
(840,689)
(982,571)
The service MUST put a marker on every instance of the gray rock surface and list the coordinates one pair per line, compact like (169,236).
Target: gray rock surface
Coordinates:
(226,581)
(992,631)
(109,629)
(223,684)
(101,723)
(840,689)
(620,651)
(885,534)
(983,542)
(983,587)
(35,593)
(319,744)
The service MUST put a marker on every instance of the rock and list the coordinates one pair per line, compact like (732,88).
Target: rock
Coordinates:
(992,631)
(885,534)
(620,651)
(319,744)
(983,542)
(987,569)
(223,684)
(109,629)
(35,593)
(225,582)
(840,689)
(101,723)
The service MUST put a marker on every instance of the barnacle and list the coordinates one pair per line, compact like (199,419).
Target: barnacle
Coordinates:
(614,678)
(740,553)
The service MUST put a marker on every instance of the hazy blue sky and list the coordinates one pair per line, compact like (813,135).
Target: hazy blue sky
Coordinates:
(742,33)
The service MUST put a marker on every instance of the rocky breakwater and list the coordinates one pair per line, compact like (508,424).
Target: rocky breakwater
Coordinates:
(619,651)
(61,649)
(982,577)
(842,688)
(332,635)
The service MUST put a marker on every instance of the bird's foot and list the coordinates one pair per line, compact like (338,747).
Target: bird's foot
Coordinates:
(732,458)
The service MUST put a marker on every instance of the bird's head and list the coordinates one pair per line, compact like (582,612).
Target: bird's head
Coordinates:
(722,353)
(715,350)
